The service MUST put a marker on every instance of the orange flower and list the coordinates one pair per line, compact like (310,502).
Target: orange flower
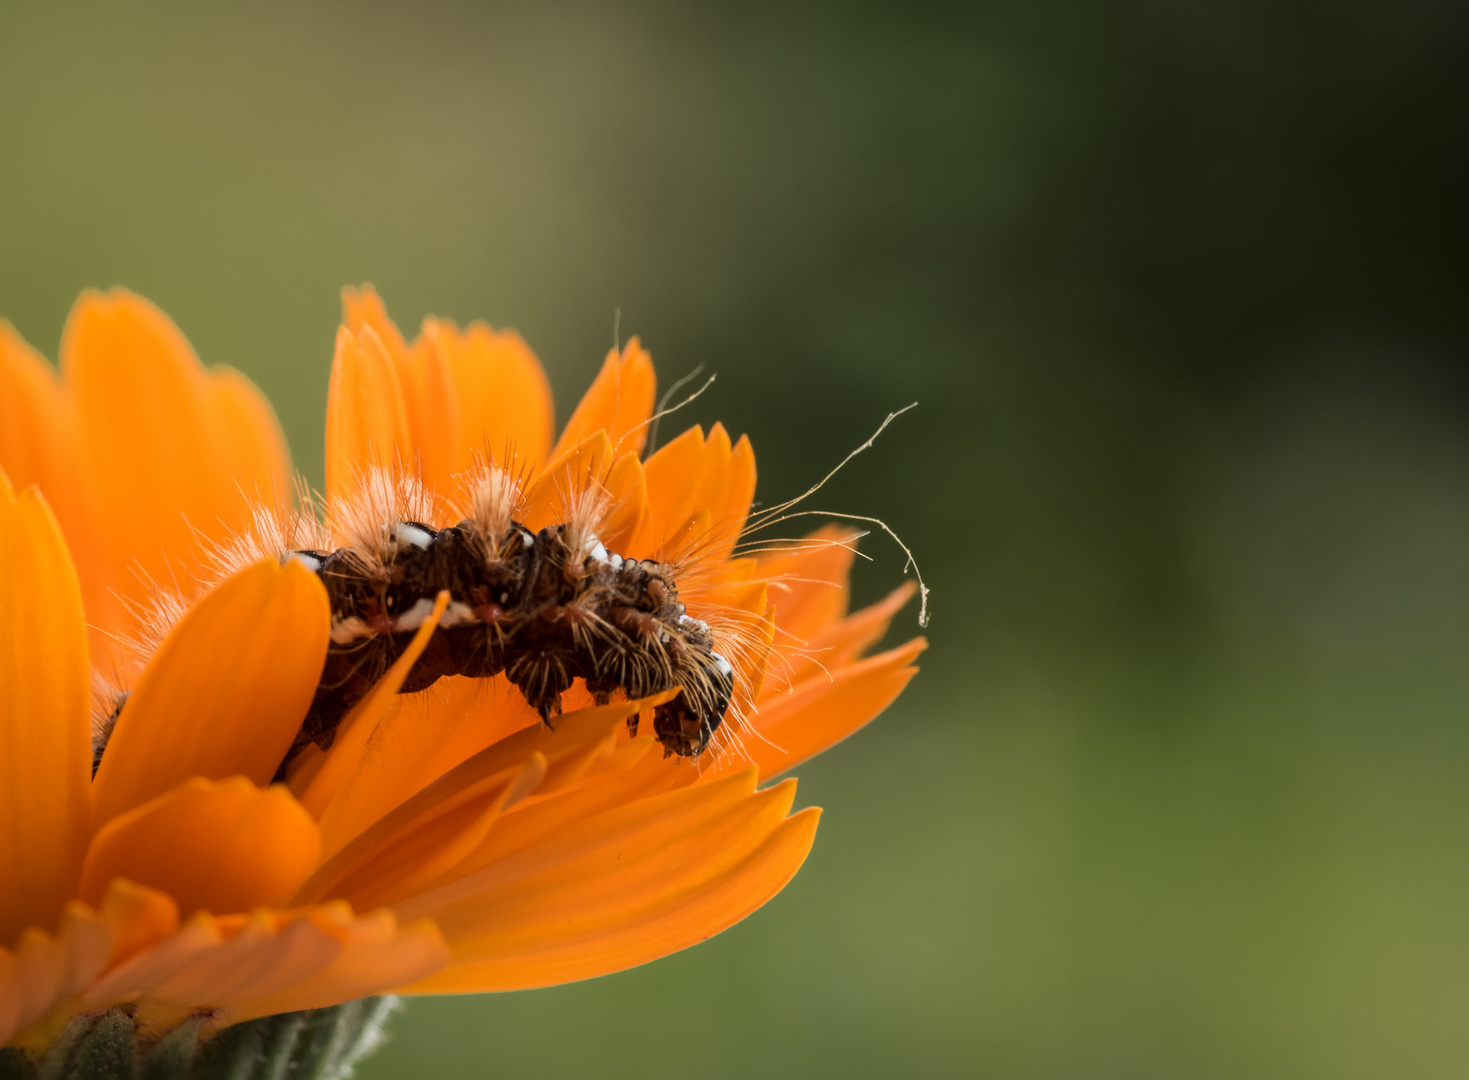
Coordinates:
(490,852)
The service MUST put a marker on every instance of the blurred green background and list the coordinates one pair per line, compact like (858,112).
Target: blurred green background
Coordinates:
(1181,289)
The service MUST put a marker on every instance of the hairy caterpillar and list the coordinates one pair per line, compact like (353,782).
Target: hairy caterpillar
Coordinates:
(545,608)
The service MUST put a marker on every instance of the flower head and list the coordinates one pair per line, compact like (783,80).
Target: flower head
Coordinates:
(161,599)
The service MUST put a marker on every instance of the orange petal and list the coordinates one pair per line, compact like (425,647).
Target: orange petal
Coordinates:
(430,400)
(645,774)
(363,307)
(154,441)
(45,716)
(504,398)
(39,975)
(226,692)
(372,808)
(30,981)
(620,402)
(219,846)
(254,448)
(746,633)
(10,997)
(137,917)
(89,942)
(843,642)
(433,415)
(420,737)
(366,422)
(572,472)
(237,968)
(264,956)
(376,955)
(820,713)
(720,502)
(619,890)
(809,584)
(714,476)
(33,428)
(627,501)
(672,479)
(148,968)
(437,839)
(344,760)
(732,501)
(39,445)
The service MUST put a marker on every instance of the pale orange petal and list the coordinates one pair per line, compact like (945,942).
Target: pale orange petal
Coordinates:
(376,955)
(420,737)
(820,713)
(150,967)
(843,642)
(39,445)
(619,890)
(262,958)
(372,809)
(37,981)
(433,413)
(366,420)
(226,692)
(556,489)
(45,716)
(636,771)
(430,400)
(672,479)
(619,402)
(627,502)
(153,440)
(363,307)
(30,981)
(721,500)
(745,633)
(343,761)
(86,942)
(504,399)
(438,840)
(809,584)
(217,846)
(137,917)
(732,500)
(33,429)
(252,443)
(237,968)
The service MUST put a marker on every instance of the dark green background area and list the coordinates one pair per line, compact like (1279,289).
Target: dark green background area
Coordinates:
(1181,290)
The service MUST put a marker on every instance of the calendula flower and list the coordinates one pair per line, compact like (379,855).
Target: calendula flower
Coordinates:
(443,841)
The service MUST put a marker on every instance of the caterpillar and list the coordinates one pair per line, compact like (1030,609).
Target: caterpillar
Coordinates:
(543,607)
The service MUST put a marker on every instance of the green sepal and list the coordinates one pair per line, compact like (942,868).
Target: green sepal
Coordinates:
(320,1044)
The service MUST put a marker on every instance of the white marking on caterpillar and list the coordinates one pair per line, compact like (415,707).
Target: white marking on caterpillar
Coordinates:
(311,562)
(724,667)
(405,533)
(413,618)
(458,612)
(345,631)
